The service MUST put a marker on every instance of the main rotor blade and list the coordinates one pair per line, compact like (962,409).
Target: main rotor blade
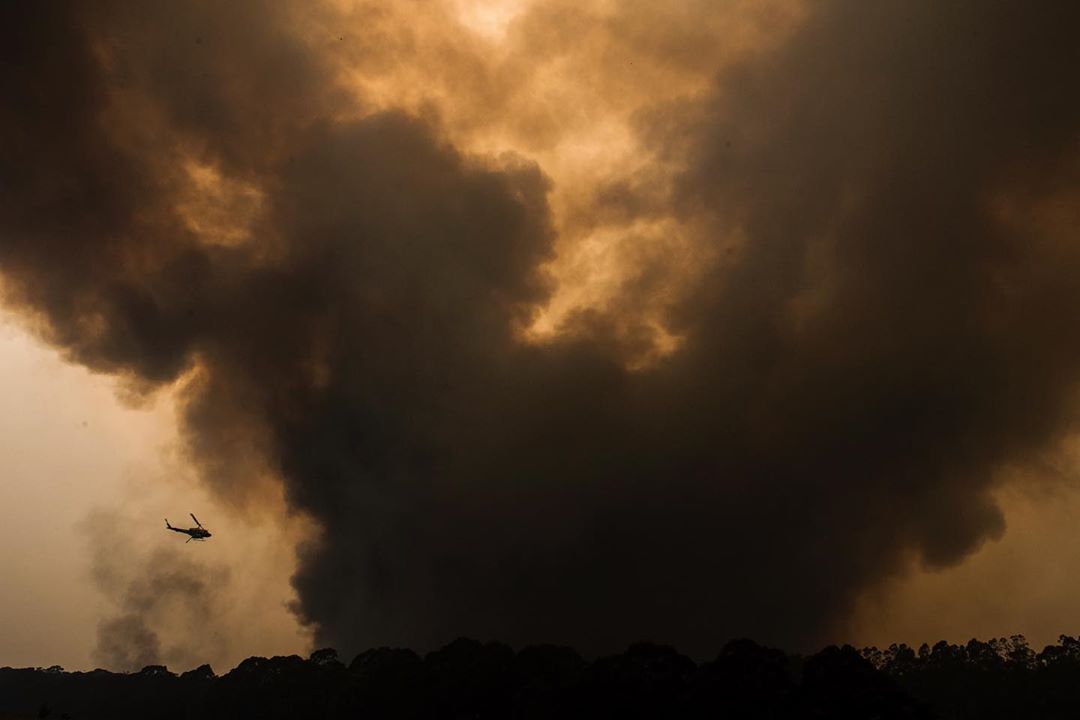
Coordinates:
(195,519)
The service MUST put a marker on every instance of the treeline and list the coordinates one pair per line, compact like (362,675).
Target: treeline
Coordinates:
(1002,678)
(467,679)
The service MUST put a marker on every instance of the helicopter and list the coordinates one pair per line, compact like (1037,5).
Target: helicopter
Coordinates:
(196,533)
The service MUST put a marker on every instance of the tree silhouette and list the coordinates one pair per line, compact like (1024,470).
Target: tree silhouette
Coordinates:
(999,678)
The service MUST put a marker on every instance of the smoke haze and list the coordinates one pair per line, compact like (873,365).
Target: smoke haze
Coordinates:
(549,347)
(166,587)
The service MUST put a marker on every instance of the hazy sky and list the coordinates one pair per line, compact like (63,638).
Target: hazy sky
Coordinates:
(538,321)
(83,473)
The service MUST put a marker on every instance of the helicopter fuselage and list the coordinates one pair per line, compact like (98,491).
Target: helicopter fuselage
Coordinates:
(195,533)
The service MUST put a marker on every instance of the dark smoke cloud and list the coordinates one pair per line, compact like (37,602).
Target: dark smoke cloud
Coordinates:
(879,339)
(126,643)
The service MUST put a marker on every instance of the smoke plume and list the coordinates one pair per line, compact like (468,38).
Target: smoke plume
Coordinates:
(167,608)
(844,284)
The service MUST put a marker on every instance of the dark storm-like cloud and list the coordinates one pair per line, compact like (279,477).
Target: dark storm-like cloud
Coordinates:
(881,338)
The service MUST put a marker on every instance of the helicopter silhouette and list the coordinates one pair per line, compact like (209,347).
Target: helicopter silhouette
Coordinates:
(196,533)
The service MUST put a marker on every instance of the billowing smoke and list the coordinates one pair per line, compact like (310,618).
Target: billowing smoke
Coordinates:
(873,319)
